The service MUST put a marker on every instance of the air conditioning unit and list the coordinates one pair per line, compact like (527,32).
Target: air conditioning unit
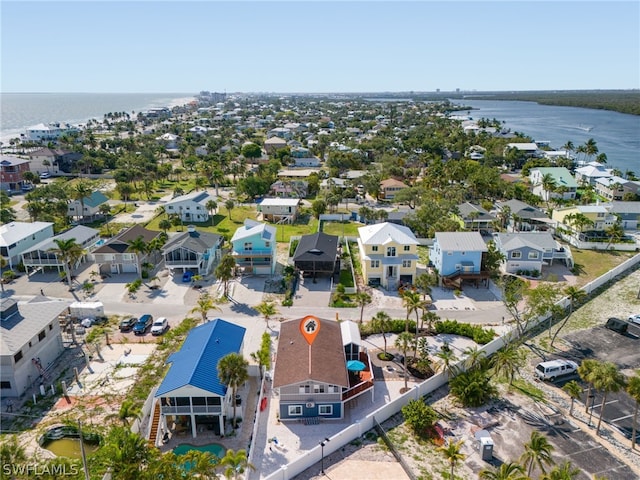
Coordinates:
(310,405)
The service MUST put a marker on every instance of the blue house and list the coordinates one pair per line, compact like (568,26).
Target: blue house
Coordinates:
(191,396)
(253,247)
(458,256)
(315,381)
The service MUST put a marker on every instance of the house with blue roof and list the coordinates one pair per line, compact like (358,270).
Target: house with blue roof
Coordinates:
(191,395)
(253,246)
(88,207)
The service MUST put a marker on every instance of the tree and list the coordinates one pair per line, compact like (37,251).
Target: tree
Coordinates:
(507,362)
(607,378)
(413,303)
(474,357)
(128,410)
(615,232)
(424,282)
(204,304)
(506,471)
(225,271)
(575,296)
(586,370)
(211,205)
(125,190)
(80,190)
(251,151)
(165,224)
(236,463)
(362,299)
(200,464)
(267,309)
(318,207)
(453,454)
(447,361)
(548,184)
(232,372)
(537,452)
(404,341)
(574,390)
(566,471)
(263,356)
(69,252)
(472,388)
(139,247)
(419,416)
(229,204)
(381,322)
(123,452)
(633,389)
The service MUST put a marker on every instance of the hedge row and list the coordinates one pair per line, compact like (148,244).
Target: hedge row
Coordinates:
(475,332)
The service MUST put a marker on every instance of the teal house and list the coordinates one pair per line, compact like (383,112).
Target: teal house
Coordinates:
(253,247)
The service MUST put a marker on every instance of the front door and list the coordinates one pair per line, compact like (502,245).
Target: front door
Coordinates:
(114,268)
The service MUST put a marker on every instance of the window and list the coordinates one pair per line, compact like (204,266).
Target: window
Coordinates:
(533,255)
(325,409)
(333,389)
(391,251)
(375,263)
(374,248)
(450,253)
(17,357)
(50,326)
(516,254)
(406,248)
(406,263)
(304,389)
(41,335)
(295,410)
(5,385)
(318,389)
(248,245)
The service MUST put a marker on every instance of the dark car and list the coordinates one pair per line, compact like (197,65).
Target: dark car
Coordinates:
(143,324)
(617,325)
(127,324)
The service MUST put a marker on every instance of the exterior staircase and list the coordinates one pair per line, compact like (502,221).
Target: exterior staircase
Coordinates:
(155,422)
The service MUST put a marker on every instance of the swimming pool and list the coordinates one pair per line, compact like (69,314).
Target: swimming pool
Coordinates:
(213,448)
(100,242)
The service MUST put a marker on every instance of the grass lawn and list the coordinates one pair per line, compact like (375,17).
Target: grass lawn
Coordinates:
(591,264)
(349,229)
(286,231)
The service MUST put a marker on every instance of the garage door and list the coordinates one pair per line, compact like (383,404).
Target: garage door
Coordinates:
(129,268)
(263,270)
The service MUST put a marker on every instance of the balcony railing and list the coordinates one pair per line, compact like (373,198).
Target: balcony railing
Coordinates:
(187,410)
(255,252)
(185,262)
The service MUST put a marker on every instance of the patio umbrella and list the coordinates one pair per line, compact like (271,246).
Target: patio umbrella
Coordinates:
(355,365)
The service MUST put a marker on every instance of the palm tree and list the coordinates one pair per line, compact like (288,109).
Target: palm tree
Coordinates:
(267,309)
(586,370)
(382,323)
(236,463)
(548,183)
(80,191)
(453,454)
(211,205)
(125,453)
(566,471)
(200,464)
(537,452)
(474,357)
(128,410)
(447,360)
(362,299)
(633,389)
(507,362)
(574,390)
(615,232)
(165,224)
(225,270)
(204,305)
(404,341)
(69,252)
(229,204)
(139,247)
(232,371)
(575,295)
(507,471)
(607,378)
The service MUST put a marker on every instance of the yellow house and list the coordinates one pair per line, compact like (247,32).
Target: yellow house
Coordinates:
(388,254)
(598,217)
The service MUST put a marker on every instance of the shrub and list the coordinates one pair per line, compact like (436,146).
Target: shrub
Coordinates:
(419,416)
(475,332)
(292,248)
(395,326)
(472,388)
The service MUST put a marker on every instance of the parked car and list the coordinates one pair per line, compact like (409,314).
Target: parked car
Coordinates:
(160,326)
(143,324)
(45,175)
(127,324)
(617,325)
(186,276)
(555,368)
(635,319)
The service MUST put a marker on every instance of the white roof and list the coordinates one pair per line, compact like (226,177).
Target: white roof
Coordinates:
(350,333)
(252,228)
(523,146)
(14,231)
(278,202)
(461,241)
(201,197)
(382,233)
(79,233)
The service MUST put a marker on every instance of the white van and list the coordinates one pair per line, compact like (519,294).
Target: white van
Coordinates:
(555,368)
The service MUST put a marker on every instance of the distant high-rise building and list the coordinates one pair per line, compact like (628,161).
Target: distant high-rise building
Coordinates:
(457,90)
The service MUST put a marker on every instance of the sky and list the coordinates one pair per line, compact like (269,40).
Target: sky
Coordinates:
(318,46)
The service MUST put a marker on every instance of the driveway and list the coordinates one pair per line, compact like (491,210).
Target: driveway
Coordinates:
(312,292)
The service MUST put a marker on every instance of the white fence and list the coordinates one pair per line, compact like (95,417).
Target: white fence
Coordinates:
(360,427)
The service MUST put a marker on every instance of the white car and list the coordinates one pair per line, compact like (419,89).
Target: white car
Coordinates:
(45,175)
(160,326)
(635,319)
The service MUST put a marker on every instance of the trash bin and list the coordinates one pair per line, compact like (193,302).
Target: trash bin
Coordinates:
(485,444)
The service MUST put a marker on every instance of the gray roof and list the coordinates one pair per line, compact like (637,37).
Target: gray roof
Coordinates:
(10,233)
(80,233)
(623,207)
(32,317)
(466,208)
(198,242)
(461,241)
(535,240)
(522,210)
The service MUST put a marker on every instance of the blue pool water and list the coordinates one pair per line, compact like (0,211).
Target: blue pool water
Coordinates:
(100,242)
(213,448)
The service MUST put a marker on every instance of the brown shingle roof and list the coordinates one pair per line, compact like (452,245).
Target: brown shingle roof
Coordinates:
(328,363)
(120,243)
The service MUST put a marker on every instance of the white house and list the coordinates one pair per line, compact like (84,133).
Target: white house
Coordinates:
(52,131)
(279,209)
(17,237)
(88,207)
(191,207)
(169,140)
(30,341)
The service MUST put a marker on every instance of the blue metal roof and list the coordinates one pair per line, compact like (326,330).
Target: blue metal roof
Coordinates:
(196,363)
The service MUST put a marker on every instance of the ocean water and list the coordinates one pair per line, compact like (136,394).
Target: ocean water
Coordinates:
(18,111)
